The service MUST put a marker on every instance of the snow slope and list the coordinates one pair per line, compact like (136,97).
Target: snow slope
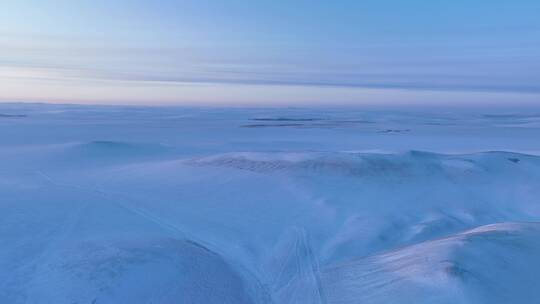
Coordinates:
(179,205)
(496,263)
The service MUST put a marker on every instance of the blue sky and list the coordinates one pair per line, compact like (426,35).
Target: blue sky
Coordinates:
(270,52)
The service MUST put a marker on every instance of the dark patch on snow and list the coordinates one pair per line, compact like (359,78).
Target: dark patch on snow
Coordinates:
(12,115)
(273,125)
(304,122)
(395,131)
(286,119)
(511,116)
(200,246)
(455,270)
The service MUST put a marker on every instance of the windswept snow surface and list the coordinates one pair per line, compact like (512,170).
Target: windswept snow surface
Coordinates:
(180,205)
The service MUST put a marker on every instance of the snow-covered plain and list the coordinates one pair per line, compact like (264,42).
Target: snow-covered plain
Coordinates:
(178,205)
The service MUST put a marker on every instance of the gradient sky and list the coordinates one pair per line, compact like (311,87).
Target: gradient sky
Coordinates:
(282,52)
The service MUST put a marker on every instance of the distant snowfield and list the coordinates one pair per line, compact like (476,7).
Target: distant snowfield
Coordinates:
(179,205)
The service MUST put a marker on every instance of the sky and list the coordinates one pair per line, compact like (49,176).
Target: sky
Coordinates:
(270,52)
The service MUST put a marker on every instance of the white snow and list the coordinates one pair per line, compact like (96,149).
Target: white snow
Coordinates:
(181,205)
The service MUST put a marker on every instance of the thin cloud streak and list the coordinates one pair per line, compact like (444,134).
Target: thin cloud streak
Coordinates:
(438,78)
